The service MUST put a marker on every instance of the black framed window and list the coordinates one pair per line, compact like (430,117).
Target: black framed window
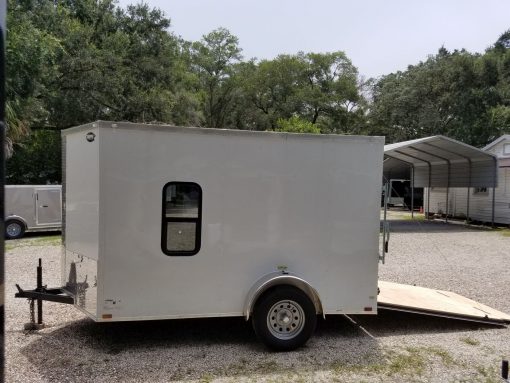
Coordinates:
(182,218)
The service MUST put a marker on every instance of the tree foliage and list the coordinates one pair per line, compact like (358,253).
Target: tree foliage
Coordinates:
(213,60)
(296,125)
(459,94)
(70,62)
(321,88)
(37,160)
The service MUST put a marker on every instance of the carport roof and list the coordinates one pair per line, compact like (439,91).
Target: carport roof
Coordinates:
(448,162)
(435,149)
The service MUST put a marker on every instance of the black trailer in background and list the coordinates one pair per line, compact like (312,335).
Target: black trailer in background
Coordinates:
(401,194)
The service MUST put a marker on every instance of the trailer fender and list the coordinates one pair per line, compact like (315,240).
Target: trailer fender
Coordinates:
(280,278)
(17,218)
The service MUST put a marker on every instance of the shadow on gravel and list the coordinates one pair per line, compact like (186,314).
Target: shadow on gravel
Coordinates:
(410,226)
(211,348)
(187,349)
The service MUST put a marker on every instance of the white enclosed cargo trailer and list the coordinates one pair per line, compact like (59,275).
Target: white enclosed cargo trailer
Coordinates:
(32,208)
(163,222)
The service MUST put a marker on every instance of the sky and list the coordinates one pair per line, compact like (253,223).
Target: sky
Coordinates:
(379,36)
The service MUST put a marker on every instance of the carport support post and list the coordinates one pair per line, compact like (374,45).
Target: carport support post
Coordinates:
(428,192)
(412,191)
(493,203)
(494,176)
(447,191)
(468,191)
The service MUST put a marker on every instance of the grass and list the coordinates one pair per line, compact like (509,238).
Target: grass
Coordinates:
(404,364)
(505,232)
(470,341)
(417,217)
(207,378)
(410,362)
(267,366)
(47,240)
(483,375)
(445,356)
(488,375)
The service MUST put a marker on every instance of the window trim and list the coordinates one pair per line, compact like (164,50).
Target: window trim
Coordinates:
(165,220)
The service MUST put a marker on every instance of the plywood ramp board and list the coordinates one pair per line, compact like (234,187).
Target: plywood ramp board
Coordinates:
(421,300)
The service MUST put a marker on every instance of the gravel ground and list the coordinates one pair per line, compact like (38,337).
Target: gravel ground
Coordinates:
(390,347)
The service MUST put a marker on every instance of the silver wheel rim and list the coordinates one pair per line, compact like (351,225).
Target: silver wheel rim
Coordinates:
(285,319)
(13,229)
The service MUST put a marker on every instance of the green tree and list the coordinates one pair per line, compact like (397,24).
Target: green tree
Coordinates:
(270,88)
(328,85)
(37,160)
(213,60)
(463,95)
(296,125)
(31,64)
(322,88)
(71,62)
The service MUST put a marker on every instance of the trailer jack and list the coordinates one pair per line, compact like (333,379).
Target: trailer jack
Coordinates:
(40,294)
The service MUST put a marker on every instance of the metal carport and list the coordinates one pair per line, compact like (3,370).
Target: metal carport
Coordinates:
(439,161)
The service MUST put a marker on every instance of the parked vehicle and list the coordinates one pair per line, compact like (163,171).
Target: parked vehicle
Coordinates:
(32,208)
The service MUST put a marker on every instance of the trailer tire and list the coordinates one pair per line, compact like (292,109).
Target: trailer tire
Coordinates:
(284,318)
(14,229)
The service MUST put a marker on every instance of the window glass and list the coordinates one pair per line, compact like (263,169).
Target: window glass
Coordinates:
(182,200)
(182,205)
(180,236)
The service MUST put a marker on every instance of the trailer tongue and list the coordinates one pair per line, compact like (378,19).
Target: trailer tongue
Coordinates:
(420,300)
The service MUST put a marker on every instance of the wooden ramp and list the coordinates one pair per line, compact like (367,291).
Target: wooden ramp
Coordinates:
(420,300)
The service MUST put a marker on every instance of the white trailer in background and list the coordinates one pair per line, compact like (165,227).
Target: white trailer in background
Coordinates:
(164,222)
(32,208)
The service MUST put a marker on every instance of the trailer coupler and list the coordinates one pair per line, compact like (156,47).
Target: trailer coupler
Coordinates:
(41,293)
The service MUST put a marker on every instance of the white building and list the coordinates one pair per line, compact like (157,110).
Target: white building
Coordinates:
(481,199)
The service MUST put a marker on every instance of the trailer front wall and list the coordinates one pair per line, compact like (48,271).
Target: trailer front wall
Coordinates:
(81,222)
(310,204)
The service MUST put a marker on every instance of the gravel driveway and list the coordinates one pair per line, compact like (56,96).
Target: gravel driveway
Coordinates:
(385,348)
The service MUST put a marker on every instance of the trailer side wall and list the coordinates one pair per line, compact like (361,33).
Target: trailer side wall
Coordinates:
(305,202)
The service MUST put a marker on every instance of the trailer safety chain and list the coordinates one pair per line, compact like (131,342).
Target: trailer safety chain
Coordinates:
(31,326)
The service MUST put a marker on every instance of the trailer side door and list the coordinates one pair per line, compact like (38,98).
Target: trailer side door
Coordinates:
(48,206)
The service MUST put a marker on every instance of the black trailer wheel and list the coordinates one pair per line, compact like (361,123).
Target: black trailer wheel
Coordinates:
(284,318)
(14,229)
